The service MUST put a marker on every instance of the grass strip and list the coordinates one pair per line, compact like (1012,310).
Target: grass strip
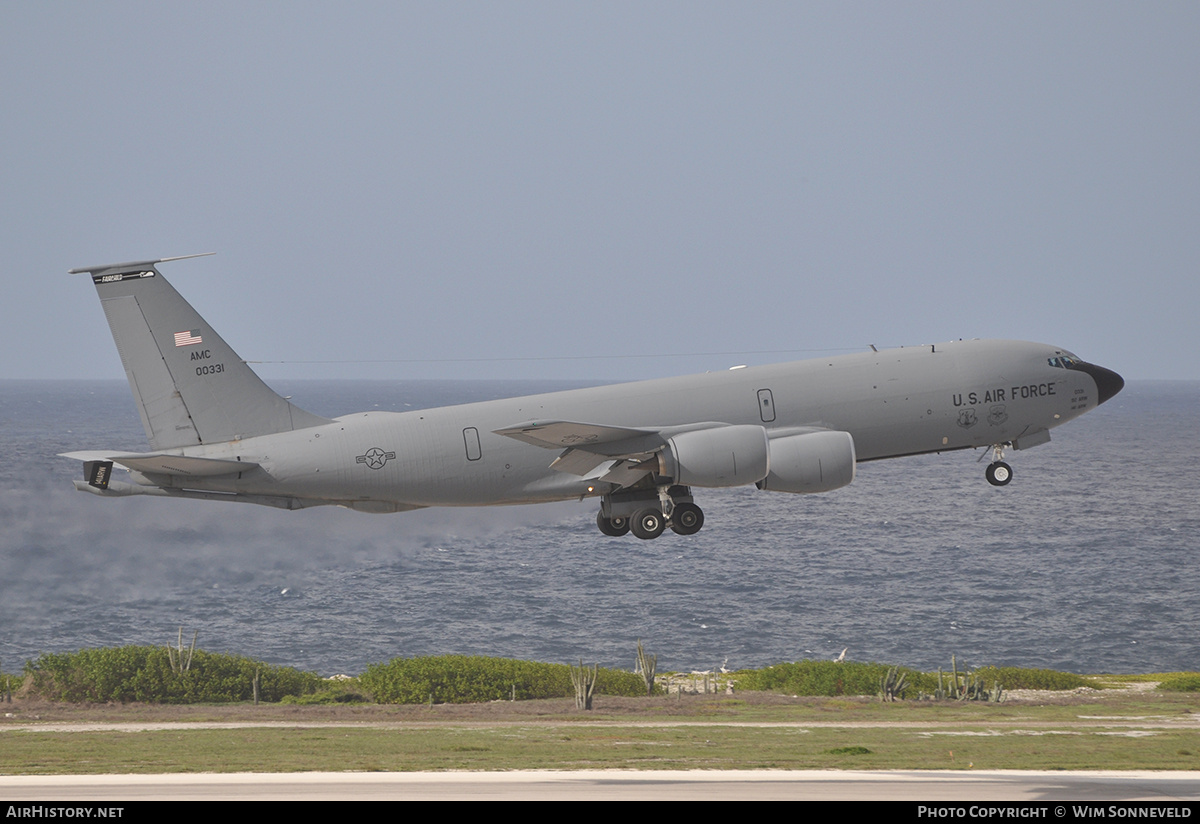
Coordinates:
(1113,733)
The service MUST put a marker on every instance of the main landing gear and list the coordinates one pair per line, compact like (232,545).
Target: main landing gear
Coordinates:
(612,527)
(998,473)
(649,511)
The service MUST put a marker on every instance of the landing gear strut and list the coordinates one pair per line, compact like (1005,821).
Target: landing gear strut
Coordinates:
(647,511)
(998,473)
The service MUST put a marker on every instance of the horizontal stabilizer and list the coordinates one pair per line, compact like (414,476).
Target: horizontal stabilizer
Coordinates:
(160,463)
(133,264)
(118,489)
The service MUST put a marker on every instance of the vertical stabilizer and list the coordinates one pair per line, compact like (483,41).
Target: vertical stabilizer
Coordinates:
(190,386)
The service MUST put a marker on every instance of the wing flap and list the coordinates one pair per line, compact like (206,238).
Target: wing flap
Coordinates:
(580,462)
(624,473)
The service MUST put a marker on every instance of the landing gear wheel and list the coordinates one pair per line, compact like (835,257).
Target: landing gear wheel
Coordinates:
(687,519)
(648,523)
(612,527)
(998,473)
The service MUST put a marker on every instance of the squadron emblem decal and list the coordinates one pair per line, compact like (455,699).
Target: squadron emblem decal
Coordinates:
(375,458)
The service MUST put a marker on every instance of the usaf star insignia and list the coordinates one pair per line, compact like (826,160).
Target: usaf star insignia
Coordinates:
(375,457)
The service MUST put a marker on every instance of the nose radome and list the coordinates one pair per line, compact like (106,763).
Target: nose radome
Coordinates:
(1108,382)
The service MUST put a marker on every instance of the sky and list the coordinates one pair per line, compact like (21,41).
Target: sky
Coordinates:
(603,190)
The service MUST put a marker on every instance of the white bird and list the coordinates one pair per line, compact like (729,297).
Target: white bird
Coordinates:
(841,657)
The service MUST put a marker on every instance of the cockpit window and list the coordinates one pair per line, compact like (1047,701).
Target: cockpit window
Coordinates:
(1065,362)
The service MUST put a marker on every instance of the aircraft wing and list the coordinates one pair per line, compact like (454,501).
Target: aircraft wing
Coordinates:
(161,463)
(612,454)
(619,455)
(559,434)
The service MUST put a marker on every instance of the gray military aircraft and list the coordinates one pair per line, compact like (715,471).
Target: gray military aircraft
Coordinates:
(218,433)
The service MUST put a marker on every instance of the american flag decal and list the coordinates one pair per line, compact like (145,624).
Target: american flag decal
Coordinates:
(187,338)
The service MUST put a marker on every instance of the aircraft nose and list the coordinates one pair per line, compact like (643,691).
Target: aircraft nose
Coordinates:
(1108,382)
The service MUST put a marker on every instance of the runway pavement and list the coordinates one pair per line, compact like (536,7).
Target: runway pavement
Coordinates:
(1025,787)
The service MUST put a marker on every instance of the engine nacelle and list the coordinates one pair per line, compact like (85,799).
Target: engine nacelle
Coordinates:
(725,456)
(812,462)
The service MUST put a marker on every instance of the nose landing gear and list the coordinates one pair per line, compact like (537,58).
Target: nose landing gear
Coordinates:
(998,473)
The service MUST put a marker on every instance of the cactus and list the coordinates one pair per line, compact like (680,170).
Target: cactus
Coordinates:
(646,665)
(178,662)
(892,687)
(585,684)
(966,686)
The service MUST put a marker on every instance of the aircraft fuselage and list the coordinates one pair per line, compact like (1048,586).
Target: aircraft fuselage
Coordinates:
(894,402)
(218,432)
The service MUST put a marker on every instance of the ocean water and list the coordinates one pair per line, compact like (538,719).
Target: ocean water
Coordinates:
(1087,562)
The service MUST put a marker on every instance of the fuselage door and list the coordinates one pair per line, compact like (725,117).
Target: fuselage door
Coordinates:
(471,439)
(766,405)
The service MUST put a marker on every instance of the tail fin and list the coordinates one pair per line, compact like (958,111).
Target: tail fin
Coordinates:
(190,386)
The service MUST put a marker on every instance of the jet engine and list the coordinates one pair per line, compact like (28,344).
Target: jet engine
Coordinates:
(812,462)
(726,456)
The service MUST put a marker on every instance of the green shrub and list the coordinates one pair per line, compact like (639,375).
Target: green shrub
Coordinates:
(1181,682)
(334,695)
(466,679)
(827,678)
(1028,678)
(134,673)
